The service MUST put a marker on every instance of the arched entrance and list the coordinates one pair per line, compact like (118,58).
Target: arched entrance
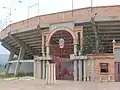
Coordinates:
(61,46)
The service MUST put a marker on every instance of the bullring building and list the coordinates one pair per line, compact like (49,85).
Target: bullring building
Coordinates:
(74,44)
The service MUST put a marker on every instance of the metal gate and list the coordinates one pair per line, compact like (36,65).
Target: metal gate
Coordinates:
(61,46)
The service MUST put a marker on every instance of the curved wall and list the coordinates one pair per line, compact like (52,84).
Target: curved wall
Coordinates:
(79,15)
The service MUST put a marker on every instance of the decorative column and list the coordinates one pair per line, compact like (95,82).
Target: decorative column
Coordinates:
(8,64)
(75,62)
(54,73)
(43,69)
(84,70)
(92,74)
(75,49)
(39,69)
(48,72)
(80,69)
(75,70)
(43,55)
(47,50)
(88,70)
(47,64)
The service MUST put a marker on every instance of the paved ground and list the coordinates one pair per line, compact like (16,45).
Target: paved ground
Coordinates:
(60,85)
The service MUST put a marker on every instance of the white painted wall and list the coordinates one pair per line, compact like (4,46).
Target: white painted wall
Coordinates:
(26,67)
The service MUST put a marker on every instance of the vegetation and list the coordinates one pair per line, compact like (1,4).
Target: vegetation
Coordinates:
(2,74)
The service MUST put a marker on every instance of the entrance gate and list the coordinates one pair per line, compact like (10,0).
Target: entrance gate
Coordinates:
(61,46)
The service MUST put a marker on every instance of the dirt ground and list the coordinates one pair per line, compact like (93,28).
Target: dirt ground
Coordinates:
(60,85)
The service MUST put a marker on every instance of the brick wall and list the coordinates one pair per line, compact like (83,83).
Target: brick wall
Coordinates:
(104,58)
(103,12)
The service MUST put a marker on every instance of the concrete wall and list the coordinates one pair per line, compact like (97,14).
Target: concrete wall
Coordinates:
(26,67)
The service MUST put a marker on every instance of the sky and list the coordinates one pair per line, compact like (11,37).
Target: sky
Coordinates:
(21,11)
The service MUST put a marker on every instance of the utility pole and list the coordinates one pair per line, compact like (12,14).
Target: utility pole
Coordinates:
(10,14)
(72,9)
(94,29)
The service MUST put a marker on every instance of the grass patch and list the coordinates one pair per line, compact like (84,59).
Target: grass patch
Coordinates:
(23,74)
(2,74)
(6,76)
(2,71)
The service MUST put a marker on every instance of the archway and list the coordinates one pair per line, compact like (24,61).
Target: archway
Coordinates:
(61,46)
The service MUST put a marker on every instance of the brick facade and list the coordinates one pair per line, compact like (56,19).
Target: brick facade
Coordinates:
(80,15)
(104,58)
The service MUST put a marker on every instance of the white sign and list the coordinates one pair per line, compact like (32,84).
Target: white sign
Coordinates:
(61,42)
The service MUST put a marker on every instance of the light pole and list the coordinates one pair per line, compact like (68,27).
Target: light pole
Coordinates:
(10,13)
(94,29)
(9,9)
(29,9)
(72,9)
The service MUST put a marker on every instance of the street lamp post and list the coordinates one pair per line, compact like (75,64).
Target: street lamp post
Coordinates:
(94,29)
(9,9)
(9,13)
(29,9)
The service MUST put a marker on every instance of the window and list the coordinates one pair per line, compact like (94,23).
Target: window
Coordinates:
(104,67)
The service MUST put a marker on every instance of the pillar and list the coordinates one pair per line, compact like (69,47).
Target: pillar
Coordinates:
(35,68)
(47,50)
(54,73)
(9,64)
(75,70)
(88,70)
(85,70)
(20,57)
(75,62)
(39,69)
(43,65)
(75,49)
(80,69)
(92,74)
(48,72)
(43,69)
